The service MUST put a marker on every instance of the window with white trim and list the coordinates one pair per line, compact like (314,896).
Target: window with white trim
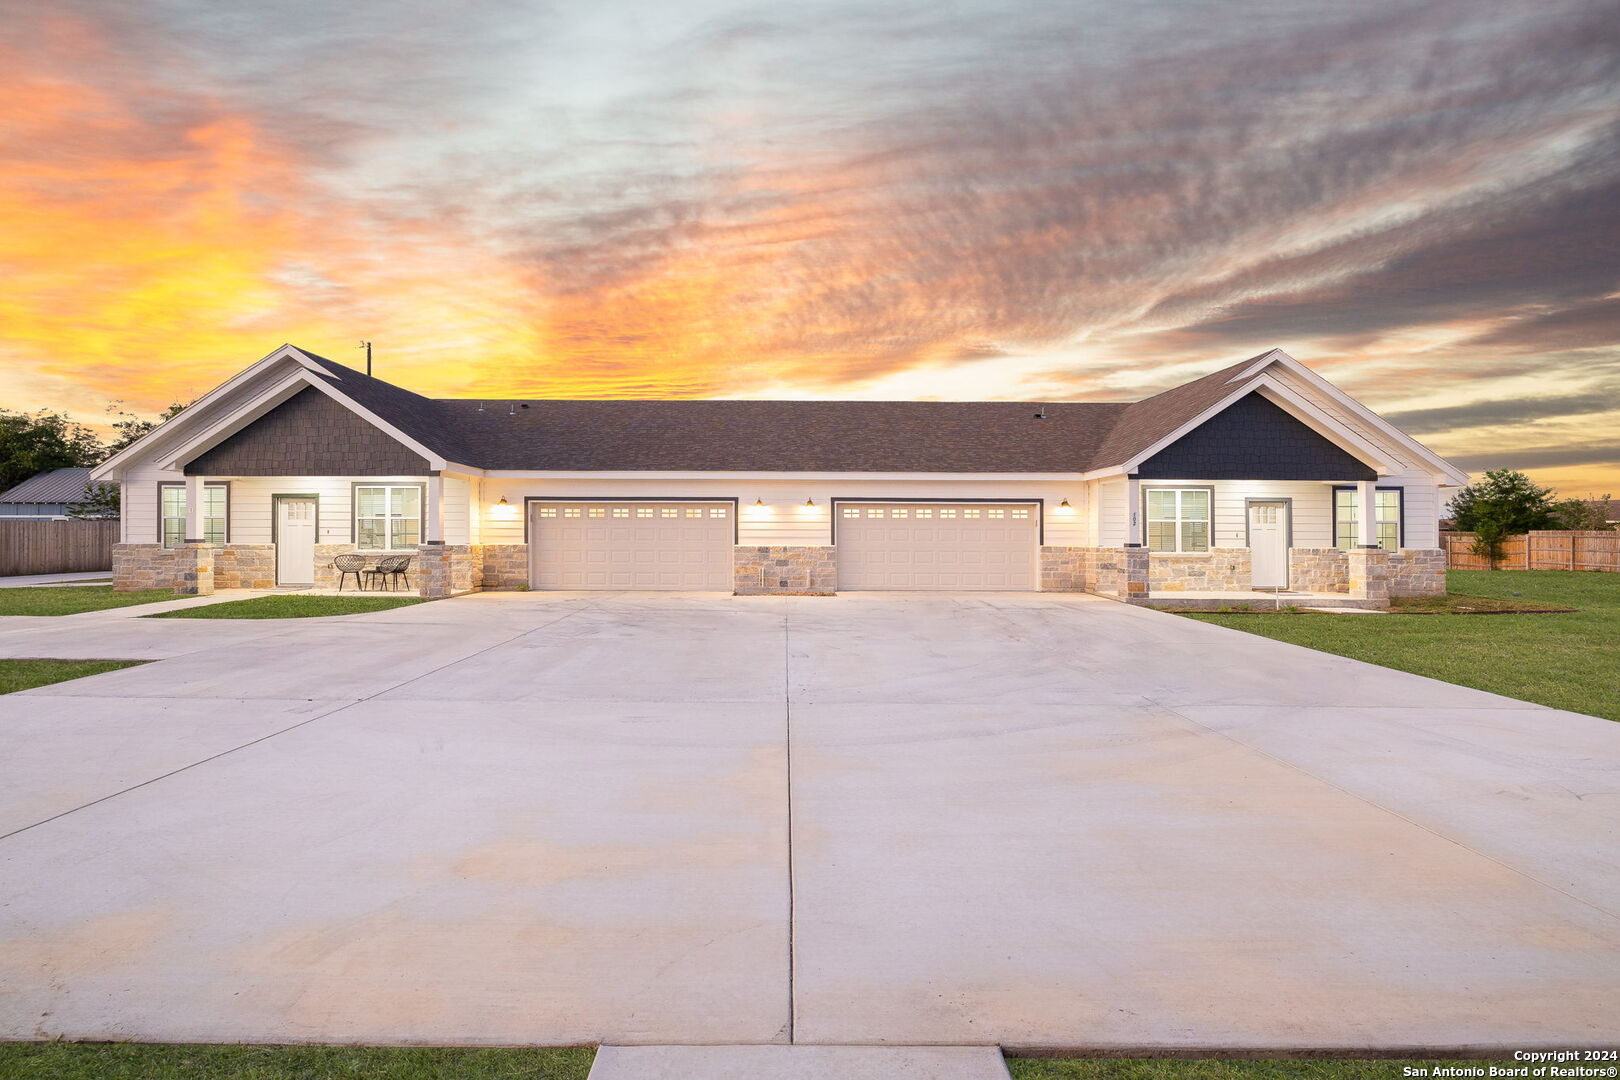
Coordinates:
(216,504)
(1178,519)
(1347,516)
(387,517)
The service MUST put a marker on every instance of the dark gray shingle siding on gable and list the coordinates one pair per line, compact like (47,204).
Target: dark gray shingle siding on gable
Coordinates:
(1253,439)
(309,434)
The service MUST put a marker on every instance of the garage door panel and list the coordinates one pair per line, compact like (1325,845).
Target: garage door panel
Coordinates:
(939,547)
(631,545)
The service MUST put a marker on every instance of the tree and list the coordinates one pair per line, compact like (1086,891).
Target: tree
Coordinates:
(129,427)
(100,501)
(1581,514)
(31,443)
(1506,503)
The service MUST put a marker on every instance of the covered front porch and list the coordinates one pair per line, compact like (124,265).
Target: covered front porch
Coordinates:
(1261,543)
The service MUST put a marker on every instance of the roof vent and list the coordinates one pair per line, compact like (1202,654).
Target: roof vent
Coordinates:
(1042,414)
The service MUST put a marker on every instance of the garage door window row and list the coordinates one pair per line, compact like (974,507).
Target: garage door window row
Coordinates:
(626,511)
(947,512)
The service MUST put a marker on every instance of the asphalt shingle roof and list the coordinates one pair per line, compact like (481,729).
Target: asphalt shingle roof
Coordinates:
(782,436)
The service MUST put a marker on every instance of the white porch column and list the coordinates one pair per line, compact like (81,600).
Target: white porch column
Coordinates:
(433,512)
(195,487)
(1367,513)
(1133,512)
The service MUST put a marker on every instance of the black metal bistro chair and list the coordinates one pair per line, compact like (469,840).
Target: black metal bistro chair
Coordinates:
(390,569)
(350,564)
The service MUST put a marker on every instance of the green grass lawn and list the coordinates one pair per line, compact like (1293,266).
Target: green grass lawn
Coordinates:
(72,599)
(1568,661)
(26,674)
(1210,1069)
(290,607)
(139,1061)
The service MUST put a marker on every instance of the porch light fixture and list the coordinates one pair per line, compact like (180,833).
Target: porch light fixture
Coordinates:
(809,502)
(1065,508)
(759,502)
(503,509)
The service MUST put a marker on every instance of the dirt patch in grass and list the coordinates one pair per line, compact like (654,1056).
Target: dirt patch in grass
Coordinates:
(290,607)
(26,674)
(1456,604)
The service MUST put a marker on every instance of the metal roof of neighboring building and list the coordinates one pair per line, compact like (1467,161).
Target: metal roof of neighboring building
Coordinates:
(51,486)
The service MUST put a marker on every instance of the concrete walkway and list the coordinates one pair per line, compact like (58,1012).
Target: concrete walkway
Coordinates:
(1036,821)
(78,578)
(798,1062)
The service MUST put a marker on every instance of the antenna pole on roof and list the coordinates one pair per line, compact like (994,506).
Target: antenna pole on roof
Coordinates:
(366,345)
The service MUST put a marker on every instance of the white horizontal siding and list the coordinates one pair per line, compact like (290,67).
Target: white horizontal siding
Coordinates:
(139,502)
(784,520)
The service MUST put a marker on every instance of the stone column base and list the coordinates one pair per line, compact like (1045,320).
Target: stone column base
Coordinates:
(194,569)
(448,570)
(1131,586)
(1369,575)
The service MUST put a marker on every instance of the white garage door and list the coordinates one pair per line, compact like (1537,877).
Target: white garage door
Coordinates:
(947,546)
(631,545)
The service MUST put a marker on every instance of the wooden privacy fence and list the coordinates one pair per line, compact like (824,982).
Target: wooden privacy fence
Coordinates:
(55,547)
(1565,550)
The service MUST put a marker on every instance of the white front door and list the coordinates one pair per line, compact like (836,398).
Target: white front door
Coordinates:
(295,541)
(1268,545)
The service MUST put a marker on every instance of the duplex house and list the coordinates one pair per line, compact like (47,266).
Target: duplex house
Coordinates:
(1261,476)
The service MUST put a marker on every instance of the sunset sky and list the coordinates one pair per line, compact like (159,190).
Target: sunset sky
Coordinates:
(1056,199)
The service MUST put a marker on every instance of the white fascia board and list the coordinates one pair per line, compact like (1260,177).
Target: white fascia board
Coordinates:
(1442,467)
(1278,394)
(687,474)
(456,469)
(134,452)
(1261,364)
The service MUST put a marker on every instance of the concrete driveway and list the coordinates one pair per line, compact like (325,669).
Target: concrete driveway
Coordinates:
(1036,821)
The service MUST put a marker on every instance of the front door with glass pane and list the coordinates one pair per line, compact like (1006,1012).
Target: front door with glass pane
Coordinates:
(295,541)
(1268,545)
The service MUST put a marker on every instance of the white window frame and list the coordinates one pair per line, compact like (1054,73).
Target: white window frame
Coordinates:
(1391,531)
(1180,519)
(388,519)
(216,525)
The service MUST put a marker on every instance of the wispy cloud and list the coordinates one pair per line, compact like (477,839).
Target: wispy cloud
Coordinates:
(716,198)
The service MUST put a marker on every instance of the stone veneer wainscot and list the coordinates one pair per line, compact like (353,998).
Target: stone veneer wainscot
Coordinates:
(785,571)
